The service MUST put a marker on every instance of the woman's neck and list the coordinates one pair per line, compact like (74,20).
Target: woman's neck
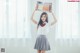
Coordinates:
(44,22)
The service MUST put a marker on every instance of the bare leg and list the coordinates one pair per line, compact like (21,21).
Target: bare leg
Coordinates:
(43,51)
(39,51)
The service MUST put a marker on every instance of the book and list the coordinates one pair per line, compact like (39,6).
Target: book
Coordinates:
(44,6)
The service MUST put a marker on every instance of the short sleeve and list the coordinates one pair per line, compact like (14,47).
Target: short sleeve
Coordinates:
(48,27)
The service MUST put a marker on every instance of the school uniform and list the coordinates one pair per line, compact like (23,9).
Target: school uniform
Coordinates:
(42,41)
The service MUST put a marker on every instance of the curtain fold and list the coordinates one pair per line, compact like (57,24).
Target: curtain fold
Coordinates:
(68,20)
(14,19)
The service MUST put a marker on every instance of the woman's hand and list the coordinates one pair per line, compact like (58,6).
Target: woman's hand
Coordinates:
(50,11)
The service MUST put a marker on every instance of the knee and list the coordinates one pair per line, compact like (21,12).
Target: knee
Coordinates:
(39,51)
(43,51)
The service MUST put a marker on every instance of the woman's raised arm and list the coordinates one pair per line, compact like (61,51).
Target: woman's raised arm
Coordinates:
(55,20)
(34,21)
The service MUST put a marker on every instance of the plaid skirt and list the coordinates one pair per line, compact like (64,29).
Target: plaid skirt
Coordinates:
(42,43)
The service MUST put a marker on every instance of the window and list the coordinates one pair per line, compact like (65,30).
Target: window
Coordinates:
(68,22)
(14,22)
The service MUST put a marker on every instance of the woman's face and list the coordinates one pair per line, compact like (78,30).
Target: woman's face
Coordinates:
(43,18)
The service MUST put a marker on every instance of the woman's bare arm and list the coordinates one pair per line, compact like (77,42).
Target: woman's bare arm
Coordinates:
(34,21)
(55,20)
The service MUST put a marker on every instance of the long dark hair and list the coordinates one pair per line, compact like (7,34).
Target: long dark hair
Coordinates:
(40,21)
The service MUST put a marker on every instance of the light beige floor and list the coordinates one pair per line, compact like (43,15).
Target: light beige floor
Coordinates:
(26,46)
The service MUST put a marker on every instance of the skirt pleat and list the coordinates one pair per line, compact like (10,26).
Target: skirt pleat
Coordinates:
(42,43)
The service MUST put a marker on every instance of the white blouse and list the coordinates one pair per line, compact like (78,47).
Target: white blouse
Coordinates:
(43,30)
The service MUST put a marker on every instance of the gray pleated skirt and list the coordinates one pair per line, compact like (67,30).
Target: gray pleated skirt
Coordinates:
(42,43)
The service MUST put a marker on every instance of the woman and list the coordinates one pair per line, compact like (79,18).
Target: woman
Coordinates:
(42,43)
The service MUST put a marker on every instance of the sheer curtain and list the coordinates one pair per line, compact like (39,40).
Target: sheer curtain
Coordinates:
(14,22)
(68,20)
